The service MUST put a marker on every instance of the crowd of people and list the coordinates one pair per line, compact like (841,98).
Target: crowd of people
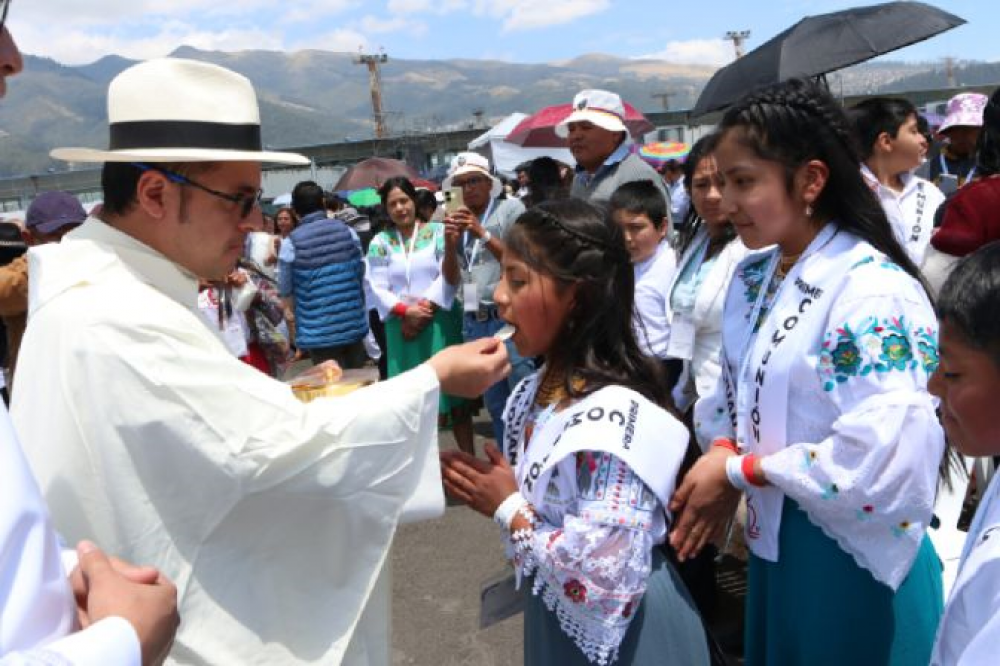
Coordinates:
(792,319)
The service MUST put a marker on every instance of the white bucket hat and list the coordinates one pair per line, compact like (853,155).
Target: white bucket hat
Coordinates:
(175,110)
(472,163)
(603,108)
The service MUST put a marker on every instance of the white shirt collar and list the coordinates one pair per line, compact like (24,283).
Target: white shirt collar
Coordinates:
(150,266)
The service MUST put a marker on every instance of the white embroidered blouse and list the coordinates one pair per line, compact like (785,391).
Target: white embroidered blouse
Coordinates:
(396,272)
(862,441)
(591,552)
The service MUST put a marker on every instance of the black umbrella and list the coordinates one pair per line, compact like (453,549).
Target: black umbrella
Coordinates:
(820,44)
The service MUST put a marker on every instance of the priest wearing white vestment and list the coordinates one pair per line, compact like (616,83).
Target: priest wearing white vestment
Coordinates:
(273,517)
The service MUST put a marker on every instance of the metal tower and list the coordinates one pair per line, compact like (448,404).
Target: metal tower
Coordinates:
(373,61)
(737,37)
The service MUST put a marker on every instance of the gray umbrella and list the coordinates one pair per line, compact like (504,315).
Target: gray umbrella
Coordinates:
(824,43)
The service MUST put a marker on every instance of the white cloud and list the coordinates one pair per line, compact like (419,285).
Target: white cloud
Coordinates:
(531,14)
(77,46)
(341,39)
(378,25)
(696,52)
(425,6)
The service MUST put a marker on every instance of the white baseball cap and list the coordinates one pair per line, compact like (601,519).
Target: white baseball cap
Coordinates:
(600,107)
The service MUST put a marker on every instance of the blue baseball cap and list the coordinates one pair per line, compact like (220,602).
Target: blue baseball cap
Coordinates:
(51,211)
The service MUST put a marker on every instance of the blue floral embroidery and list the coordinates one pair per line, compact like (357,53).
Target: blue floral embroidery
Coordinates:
(753,275)
(927,349)
(831,491)
(896,352)
(876,345)
(808,458)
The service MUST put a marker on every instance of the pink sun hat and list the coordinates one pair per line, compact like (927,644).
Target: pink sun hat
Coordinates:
(964,110)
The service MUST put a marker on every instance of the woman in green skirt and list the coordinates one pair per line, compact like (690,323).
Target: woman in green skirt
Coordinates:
(412,274)
(822,415)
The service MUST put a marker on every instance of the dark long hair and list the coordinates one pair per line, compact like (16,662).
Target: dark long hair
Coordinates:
(797,121)
(575,242)
(402,184)
(701,149)
(988,143)
(970,299)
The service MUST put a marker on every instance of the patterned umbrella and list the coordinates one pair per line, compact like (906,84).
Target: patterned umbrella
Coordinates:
(662,152)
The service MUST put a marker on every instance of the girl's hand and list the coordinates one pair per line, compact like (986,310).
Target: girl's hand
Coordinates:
(703,505)
(483,485)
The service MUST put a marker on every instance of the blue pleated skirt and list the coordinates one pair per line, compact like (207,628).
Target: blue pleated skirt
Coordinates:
(817,607)
(665,629)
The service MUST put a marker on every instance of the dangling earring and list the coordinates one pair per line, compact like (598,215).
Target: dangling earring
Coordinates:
(809,211)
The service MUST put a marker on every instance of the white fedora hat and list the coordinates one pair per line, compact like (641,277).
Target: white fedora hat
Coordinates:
(175,110)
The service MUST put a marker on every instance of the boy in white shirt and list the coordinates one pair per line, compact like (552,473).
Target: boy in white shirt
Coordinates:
(640,210)
(892,147)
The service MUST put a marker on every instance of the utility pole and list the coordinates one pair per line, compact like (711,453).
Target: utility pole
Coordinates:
(737,37)
(949,68)
(373,61)
(664,98)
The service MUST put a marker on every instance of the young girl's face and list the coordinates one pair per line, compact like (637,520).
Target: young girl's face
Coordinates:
(968,383)
(533,303)
(706,192)
(642,237)
(755,198)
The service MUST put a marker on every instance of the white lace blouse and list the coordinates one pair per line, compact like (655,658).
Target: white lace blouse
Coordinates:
(591,554)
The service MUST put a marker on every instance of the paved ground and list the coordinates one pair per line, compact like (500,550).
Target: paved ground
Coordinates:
(438,568)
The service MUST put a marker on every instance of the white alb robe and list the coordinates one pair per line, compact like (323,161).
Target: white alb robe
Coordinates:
(37,611)
(272,517)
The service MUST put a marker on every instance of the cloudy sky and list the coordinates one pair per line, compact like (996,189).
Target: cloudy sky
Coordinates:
(77,31)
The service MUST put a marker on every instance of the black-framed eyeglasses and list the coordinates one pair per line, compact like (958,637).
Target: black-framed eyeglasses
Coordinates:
(472,182)
(246,202)
(4,6)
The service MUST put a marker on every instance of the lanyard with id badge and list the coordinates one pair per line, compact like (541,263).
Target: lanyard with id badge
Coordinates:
(408,298)
(470,289)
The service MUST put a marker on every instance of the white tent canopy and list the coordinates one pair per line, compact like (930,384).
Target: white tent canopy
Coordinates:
(505,156)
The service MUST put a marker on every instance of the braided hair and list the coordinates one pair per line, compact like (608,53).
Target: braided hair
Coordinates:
(575,243)
(797,121)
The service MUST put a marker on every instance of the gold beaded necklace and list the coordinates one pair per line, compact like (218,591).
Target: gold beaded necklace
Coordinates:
(785,264)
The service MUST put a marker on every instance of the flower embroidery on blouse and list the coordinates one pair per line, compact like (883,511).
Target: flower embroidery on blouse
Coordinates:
(866,512)
(575,590)
(901,529)
(927,348)
(831,491)
(876,345)
(753,275)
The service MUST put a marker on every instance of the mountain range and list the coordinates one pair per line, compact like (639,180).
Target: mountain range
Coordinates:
(310,97)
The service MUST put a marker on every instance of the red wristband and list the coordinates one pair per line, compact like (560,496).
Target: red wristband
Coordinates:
(748,471)
(726,443)
(399,309)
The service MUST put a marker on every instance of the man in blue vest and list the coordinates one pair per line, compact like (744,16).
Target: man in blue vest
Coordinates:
(323,273)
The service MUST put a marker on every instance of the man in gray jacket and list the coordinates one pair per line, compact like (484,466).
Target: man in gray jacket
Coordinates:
(600,144)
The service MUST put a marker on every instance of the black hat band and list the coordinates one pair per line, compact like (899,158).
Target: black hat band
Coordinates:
(184,134)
